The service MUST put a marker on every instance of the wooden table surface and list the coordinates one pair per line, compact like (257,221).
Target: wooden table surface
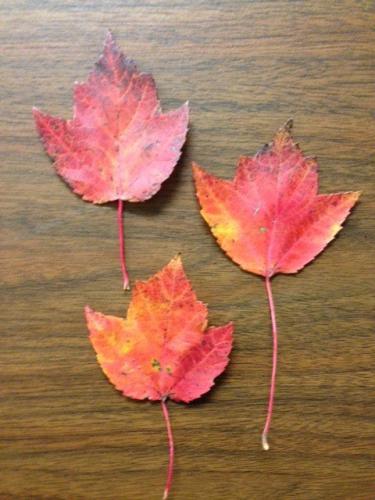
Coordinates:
(246,67)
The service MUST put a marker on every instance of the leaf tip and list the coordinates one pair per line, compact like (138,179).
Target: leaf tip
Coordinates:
(356,195)
(176,261)
(183,112)
(109,38)
(288,125)
(197,170)
(88,312)
(283,138)
(37,115)
(230,327)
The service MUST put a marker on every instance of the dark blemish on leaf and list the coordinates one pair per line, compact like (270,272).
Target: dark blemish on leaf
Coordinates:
(156,364)
(264,149)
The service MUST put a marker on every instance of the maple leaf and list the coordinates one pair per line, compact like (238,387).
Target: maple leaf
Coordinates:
(118,146)
(270,219)
(162,349)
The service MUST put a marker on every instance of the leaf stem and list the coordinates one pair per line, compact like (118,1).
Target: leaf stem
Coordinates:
(274,363)
(171,449)
(120,223)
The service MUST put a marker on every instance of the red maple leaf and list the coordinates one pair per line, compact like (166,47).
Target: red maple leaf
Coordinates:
(118,145)
(270,219)
(162,349)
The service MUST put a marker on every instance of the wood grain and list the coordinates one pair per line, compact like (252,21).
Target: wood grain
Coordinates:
(246,67)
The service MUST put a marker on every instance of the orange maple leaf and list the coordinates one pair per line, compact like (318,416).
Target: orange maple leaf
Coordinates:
(162,349)
(270,218)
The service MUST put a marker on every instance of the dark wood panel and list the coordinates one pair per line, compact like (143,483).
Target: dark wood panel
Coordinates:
(246,67)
